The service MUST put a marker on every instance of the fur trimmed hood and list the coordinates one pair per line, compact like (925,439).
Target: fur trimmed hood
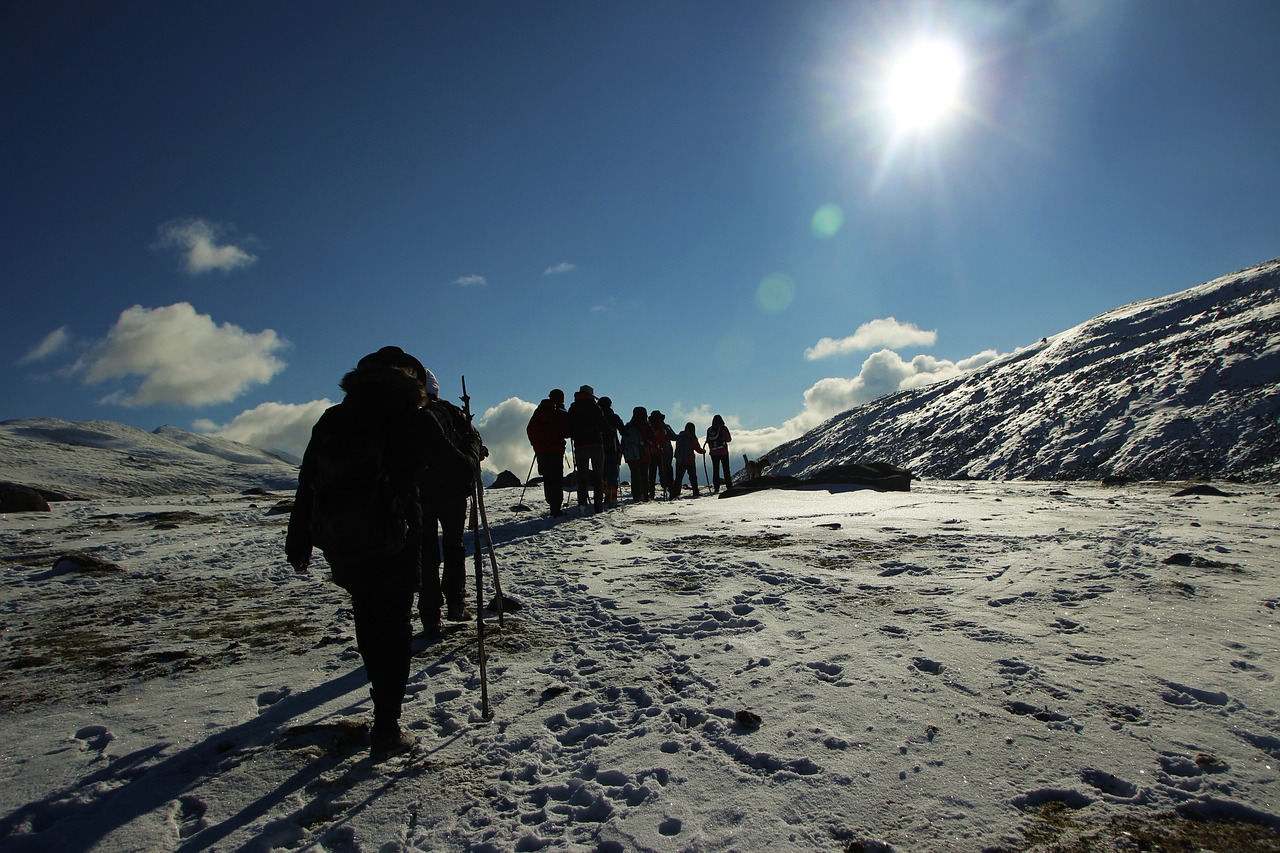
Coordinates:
(400,383)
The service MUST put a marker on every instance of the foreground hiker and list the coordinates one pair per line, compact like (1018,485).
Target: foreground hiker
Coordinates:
(546,433)
(637,436)
(357,500)
(686,446)
(612,449)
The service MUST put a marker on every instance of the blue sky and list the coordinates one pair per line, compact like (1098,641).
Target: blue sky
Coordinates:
(212,210)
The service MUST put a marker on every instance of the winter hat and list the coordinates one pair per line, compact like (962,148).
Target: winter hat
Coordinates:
(639,412)
(655,415)
(394,357)
(556,395)
(588,390)
(433,386)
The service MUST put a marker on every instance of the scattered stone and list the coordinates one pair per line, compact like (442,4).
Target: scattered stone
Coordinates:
(509,605)
(1203,490)
(284,507)
(78,561)
(506,480)
(22,499)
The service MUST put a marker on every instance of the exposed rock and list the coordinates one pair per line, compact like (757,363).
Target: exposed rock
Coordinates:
(506,480)
(21,499)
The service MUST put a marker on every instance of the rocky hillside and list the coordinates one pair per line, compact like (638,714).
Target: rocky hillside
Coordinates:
(1180,387)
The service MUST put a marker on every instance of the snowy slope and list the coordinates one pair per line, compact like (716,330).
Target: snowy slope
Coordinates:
(93,459)
(1182,386)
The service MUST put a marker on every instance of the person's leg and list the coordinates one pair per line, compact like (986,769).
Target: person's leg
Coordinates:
(429,598)
(596,455)
(581,462)
(384,636)
(452,512)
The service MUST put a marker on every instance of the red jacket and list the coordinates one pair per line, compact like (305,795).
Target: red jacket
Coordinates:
(546,428)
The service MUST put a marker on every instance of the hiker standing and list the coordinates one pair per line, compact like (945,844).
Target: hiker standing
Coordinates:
(718,439)
(637,437)
(585,424)
(444,518)
(546,433)
(612,448)
(358,501)
(686,446)
(661,454)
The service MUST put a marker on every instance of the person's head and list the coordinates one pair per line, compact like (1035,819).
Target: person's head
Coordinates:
(639,414)
(717,421)
(556,396)
(431,385)
(587,392)
(606,403)
(395,357)
(657,416)
(689,428)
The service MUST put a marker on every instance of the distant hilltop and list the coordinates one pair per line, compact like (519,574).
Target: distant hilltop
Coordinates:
(1180,387)
(94,459)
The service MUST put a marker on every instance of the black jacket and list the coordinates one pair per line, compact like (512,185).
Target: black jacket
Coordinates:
(585,423)
(386,399)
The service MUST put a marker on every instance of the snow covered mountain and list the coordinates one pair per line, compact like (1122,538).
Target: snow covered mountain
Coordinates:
(1182,386)
(95,459)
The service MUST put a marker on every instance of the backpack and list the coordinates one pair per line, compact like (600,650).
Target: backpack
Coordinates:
(632,442)
(463,437)
(361,509)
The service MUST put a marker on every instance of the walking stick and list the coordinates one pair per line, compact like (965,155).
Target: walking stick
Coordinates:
(484,518)
(483,660)
(520,507)
(705,476)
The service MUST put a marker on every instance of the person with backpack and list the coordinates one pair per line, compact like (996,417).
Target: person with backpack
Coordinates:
(612,449)
(718,439)
(637,436)
(686,446)
(444,517)
(660,454)
(358,501)
(546,433)
(586,426)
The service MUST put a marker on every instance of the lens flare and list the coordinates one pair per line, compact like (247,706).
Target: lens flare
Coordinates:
(776,293)
(827,221)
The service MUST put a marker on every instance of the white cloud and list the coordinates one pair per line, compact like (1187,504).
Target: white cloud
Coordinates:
(470,281)
(605,307)
(502,428)
(271,426)
(885,332)
(198,241)
(560,268)
(53,343)
(183,357)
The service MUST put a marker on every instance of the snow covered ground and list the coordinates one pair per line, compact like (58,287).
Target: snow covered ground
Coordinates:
(967,666)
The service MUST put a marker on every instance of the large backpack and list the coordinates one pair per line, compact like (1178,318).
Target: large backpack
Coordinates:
(361,509)
(632,442)
(463,437)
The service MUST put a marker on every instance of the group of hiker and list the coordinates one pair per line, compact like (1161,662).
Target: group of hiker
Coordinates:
(601,441)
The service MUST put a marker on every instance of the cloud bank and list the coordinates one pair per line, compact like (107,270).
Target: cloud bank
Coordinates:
(271,426)
(183,357)
(198,242)
(885,332)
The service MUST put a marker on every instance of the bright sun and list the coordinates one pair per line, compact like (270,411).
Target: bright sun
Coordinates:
(923,85)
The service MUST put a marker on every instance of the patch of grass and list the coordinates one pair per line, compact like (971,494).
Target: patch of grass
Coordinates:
(1057,828)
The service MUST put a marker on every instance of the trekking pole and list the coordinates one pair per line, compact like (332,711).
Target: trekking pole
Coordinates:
(483,660)
(520,507)
(705,476)
(484,517)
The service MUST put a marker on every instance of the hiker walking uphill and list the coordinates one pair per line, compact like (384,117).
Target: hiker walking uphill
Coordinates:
(718,439)
(686,446)
(586,426)
(444,518)
(637,437)
(546,431)
(357,500)
(660,454)
(612,449)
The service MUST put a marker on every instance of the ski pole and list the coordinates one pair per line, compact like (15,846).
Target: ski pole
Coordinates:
(520,507)
(482,658)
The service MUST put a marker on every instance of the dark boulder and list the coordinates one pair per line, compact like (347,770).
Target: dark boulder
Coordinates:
(506,480)
(22,499)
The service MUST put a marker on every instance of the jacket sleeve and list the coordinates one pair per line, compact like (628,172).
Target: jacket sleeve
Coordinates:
(297,543)
(441,456)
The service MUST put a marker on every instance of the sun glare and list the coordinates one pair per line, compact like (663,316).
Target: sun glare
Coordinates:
(923,84)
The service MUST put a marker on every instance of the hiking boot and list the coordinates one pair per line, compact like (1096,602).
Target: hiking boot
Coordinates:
(430,621)
(457,611)
(389,740)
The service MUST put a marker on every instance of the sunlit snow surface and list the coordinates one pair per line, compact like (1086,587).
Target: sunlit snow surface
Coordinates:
(927,667)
